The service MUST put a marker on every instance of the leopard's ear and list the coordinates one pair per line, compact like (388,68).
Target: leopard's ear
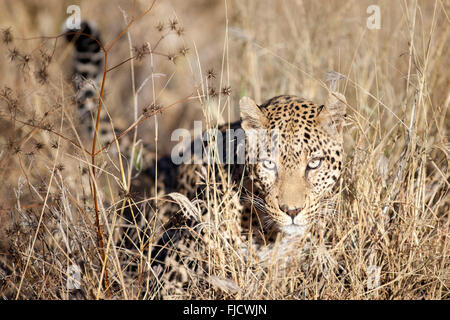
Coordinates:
(331,117)
(251,115)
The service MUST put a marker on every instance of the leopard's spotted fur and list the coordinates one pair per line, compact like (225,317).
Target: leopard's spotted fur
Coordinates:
(277,196)
(232,205)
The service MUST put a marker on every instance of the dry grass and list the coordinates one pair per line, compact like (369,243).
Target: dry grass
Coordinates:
(392,218)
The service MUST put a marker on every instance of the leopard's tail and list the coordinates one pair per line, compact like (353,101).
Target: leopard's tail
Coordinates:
(87,65)
(88,68)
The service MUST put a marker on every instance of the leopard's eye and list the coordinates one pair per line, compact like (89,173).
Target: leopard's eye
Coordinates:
(314,163)
(269,164)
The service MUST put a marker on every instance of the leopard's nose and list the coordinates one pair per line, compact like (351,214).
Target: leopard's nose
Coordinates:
(291,212)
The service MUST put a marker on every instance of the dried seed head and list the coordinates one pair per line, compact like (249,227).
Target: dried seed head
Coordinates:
(173,24)
(42,75)
(212,92)
(47,126)
(6,92)
(184,51)
(13,54)
(226,91)
(151,110)
(160,26)
(46,58)
(172,57)
(179,31)
(141,52)
(210,74)
(7,35)
(38,145)
(24,61)
(13,105)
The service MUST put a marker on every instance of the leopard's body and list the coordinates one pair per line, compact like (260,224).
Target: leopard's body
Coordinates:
(259,194)
(274,195)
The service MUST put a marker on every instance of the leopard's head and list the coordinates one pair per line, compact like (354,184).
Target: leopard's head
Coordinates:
(299,160)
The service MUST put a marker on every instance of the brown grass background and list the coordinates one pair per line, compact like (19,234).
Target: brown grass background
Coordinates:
(393,208)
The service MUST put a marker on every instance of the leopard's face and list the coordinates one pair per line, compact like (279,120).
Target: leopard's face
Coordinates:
(298,168)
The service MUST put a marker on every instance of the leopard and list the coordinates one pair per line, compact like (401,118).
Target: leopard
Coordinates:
(273,196)
(256,182)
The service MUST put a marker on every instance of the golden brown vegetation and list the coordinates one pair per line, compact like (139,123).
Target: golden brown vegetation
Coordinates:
(389,237)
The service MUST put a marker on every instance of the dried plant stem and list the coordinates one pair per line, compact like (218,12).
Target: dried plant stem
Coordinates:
(44,206)
(94,142)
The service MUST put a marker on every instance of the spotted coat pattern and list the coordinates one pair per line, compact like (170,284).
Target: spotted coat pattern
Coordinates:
(276,195)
